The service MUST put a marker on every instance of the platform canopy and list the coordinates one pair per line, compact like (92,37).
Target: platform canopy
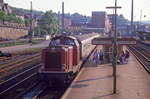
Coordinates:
(109,41)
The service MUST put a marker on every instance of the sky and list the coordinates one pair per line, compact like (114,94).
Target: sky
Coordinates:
(85,7)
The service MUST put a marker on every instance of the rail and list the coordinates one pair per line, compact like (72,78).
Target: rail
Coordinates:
(145,61)
(15,67)
(18,80)
(18,62)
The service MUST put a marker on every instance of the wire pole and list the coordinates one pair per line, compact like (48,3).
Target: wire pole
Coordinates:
(114,44)
(59,22)
(115,50)
(132,14)
(62,21)
(30,31)
(140,20)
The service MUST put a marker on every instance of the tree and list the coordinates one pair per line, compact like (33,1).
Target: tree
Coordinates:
(2,16)
(10,18)
(27,22)
(49,22)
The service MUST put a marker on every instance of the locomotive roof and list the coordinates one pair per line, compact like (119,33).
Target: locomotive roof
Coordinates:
(62,36)
(85,36)
(79,37)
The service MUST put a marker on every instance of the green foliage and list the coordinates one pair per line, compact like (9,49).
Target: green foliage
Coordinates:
(27,22)
(49,23)
(2,15)
(10,18)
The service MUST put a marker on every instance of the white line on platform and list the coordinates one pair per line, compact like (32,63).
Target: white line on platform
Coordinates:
(70,87)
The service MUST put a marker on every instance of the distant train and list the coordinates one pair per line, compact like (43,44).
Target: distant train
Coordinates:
(65,55)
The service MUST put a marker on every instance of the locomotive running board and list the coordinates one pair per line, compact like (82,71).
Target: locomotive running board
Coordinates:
(51,75)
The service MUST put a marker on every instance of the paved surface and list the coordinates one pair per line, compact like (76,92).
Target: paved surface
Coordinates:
(95,82)
(23,47)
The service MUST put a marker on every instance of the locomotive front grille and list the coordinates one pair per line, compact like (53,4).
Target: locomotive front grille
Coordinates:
(53,61)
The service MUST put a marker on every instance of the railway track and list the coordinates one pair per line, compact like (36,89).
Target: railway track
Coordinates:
(18,64)
(18,42)
(4,60)
(27,81)
(44,91)
(142,55)
(19,55)
(19,84)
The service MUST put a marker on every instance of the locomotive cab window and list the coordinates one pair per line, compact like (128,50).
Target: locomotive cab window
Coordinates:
(55,42)
(69,42)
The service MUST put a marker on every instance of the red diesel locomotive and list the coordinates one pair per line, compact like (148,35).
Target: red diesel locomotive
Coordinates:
(65,55)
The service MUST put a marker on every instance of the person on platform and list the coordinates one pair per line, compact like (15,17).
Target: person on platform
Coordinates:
(101,56)
(127,55)
(122,56)
(96,57)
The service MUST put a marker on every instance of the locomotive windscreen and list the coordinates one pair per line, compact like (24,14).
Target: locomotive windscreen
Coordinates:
(53,61)
(69,42)
(62,41)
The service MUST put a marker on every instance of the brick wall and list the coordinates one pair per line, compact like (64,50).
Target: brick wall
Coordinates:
(12,30)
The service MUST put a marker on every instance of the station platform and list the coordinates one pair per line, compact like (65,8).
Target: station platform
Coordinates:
(96,82)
